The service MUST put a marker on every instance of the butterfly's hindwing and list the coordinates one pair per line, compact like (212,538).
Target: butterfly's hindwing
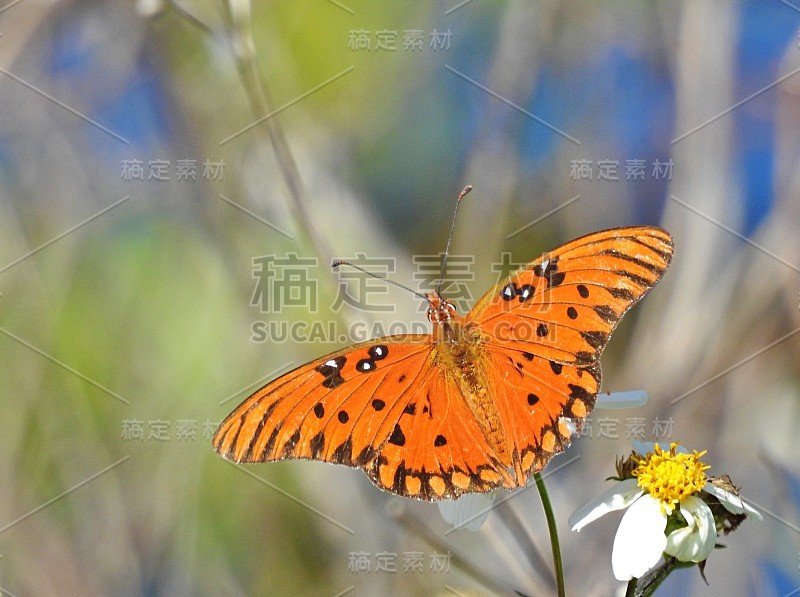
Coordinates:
(541,404)
(437,450)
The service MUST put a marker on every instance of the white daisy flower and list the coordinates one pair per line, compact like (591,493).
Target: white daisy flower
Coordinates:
(662,483)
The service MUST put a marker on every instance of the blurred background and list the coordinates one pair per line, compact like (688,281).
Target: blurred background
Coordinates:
(175,179)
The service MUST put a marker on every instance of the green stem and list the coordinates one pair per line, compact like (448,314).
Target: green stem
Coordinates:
(646,585)
(631,591)
(551,526)
(649,583)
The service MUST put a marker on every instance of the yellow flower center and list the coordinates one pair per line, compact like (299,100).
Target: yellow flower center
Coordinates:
(669,476)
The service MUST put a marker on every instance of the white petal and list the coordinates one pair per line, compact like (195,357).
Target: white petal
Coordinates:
(622,495)
(469,511)
(693,543)
(733,503)
(640,539)
(620,400)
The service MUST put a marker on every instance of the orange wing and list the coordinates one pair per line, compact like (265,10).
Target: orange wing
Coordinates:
(546,326)
(564,306)
(541,404)
(382,406)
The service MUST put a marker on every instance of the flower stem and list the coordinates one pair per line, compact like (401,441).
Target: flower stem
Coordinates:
(551,526)
(631,590)
(648,584)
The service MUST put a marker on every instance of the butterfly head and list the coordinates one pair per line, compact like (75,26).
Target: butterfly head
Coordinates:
(439,310)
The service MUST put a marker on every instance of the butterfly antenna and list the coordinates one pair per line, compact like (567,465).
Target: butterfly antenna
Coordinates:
(339,262)
(461,195)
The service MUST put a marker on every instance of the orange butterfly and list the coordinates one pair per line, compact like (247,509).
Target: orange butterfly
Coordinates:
(484,401)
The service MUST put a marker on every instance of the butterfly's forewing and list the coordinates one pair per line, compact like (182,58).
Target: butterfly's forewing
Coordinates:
(334,408)
(380,405)
(564,306)
(546,326)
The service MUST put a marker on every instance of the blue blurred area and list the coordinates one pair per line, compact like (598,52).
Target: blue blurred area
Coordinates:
(766,29)
(137,109)
(631,105)
(779,581)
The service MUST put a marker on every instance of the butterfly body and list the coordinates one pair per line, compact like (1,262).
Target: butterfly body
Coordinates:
(462,357)
(483,401)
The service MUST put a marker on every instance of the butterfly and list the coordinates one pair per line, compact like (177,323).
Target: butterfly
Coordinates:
(482,402)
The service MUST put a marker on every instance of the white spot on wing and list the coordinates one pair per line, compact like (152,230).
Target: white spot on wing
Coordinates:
(570,425)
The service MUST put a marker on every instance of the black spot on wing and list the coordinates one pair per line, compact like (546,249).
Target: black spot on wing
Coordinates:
(319,410)
(344,453)
(365,456)
(632,259)
(273,437)
(317,444)
(378,352)
(290,444)
(397,438)
(556,367)
(606,313)
(440,441)
(365,366)
(399,484)
(249,455)
(517,365)
(331,371)
(331,366)
(550,272)
(620,293)
(595,339)
(525,292)
(509,291)
(378,404)
(334,381)
(579,392)
(639,280)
